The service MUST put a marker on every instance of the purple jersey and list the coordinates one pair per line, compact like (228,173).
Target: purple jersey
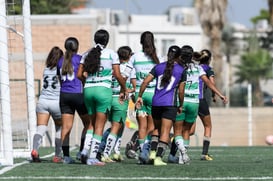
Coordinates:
(70,83)
(202,86)
(167,96)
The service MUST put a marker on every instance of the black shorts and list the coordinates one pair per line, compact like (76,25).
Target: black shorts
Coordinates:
(168,112)
(203,108)
(69,102)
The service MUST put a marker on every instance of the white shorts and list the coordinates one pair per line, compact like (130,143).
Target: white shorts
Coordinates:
(51,107)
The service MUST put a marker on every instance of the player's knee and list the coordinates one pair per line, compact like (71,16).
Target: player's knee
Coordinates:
(141,114)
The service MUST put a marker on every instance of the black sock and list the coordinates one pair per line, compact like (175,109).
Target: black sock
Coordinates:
(161,149)
(173,148)
(65,150)
(205,147)
(154,142)
(82,143)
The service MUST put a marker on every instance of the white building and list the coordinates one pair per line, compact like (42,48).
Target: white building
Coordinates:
(179,27)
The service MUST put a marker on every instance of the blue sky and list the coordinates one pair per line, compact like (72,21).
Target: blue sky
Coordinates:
(239,11)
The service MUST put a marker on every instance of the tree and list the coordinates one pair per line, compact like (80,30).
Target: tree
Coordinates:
(229,42)
(264,15)
(270,7)
(212,18)
(45,6)
(256,65)
(266,39)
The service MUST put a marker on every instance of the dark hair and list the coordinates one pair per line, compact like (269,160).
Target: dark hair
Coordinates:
(148,47)
(101,37)
(124,52)
(71,46)
(53,57)
(186,54)
(174,53)
(203,57)
(92,60)
(196,56)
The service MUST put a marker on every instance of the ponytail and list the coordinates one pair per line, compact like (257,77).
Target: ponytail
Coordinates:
(71,45)
(148,47)
(173,55)
(92,60)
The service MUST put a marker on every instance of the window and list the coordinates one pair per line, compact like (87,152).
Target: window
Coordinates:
(166,44)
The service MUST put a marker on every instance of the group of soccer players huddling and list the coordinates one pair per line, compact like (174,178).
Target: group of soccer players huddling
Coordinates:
(168,93)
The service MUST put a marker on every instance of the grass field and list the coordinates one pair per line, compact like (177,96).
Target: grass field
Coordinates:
(230,163)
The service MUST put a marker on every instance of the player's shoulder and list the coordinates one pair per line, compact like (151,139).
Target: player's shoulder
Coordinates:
(138,54)
(109,51)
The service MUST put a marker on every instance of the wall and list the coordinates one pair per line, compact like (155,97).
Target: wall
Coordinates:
(231,126)
(51,30)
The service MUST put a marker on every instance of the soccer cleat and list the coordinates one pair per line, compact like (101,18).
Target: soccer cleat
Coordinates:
(84,158)
(78,155)
(107,159)
(68,160)
(143,157)
(144,154)
(94,161)
(129,152)
(152,155)
(35,156)
(183,157)
(206,157)
(173,159)
(117,157)
(57,159)
(158,162)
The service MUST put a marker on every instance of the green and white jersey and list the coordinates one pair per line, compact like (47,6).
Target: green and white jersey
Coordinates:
(103,78)
(191,93)
(127,71)
(143,65)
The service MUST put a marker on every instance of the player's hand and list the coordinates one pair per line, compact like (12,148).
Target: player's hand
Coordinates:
(139,103)
(122,98)
(224,99)
(179,110)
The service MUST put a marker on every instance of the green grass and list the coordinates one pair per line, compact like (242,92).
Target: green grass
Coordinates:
(230,163)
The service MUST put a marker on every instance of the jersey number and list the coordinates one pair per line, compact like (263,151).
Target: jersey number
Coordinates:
(54,81)
(170,85)
(189,84)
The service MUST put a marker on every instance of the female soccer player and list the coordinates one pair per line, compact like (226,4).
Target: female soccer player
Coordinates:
(204,58)
(97,68)
(185,120)
(143,62)
(170,78)
(119,109)
(71,97)
(48,105)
